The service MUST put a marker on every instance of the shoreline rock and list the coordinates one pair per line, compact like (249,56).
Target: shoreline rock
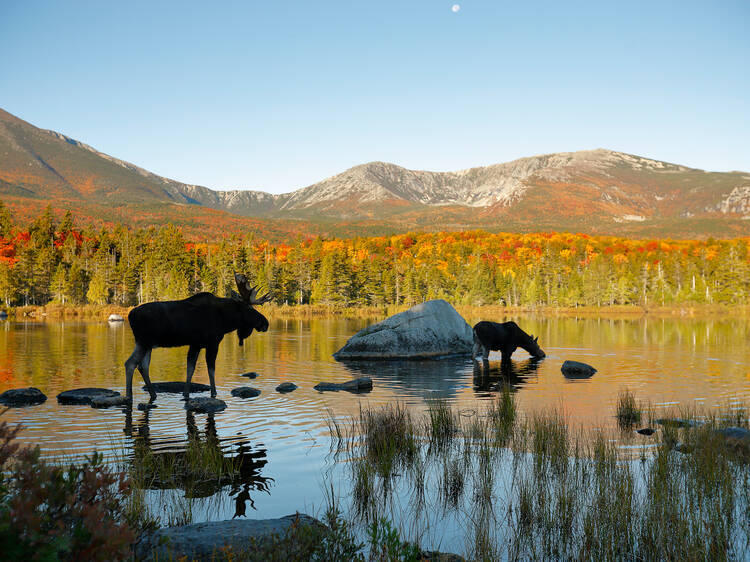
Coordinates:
(429,330)
(84,396)
(17,397)
(362,384)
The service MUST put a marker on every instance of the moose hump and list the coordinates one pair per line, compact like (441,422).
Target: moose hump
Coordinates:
(428,330)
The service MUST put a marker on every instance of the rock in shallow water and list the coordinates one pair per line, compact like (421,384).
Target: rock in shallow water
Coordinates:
(115,318)
(250,375)
(362,384)
(143,407)
(428,330)
(245,392)
(109,401)
(22,397)
(205,405)
(209,541)
(577,370)
(177,387)
(84,395)
(286,387)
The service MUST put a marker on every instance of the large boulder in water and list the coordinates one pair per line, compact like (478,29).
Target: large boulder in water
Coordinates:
(22,397)
(428,330)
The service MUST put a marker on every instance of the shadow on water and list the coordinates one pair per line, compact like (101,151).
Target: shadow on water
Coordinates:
(490,378)
(428,379)
(201,466)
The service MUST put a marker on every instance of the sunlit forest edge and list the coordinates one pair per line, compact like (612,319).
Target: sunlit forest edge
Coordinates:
(51,263)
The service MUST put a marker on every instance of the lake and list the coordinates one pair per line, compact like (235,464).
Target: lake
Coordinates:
(675,361)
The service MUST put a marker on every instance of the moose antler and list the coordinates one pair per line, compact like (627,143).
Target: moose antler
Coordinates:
(249,294)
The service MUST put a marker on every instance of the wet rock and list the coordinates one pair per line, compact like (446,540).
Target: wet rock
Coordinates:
(84,395)
(736,438)
(435,556)
(678,422)
(109,401)
(362,384)
(250,375)
(431,329)
(577,370)
(205,405)
(212,540)
(286,387)
(178,387)
(115,318)
(143,407)
(22,397)
(646,431)
(245,392)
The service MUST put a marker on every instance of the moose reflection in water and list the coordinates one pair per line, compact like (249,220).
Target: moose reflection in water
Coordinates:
(201,467)
(490,380)
(200,321)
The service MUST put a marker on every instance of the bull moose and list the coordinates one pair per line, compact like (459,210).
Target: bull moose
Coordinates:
(505,338)
(200,321)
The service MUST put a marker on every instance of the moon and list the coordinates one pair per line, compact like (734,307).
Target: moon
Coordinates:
(455,8)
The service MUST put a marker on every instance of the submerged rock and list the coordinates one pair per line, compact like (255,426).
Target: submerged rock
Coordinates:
(362,384)
(205,405)
(143,407)
(250,375)
(22,397)
(286,387)
(428,330)
(212,540)
(84,395)
(577,370)
(177,387)
(646,431)
(245,392)
(109,401)
(679,422)
(115,318)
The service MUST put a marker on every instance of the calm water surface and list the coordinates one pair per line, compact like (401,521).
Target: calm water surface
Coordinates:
(669,362)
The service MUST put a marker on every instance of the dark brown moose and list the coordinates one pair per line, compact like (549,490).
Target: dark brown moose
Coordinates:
(200,321)
(505,338)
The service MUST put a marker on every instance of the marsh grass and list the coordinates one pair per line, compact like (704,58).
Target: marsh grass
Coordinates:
(532,487)
(628,410)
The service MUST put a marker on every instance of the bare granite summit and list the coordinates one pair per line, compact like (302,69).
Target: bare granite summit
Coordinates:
(428,330)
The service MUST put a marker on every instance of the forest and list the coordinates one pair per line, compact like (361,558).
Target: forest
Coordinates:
(52,260)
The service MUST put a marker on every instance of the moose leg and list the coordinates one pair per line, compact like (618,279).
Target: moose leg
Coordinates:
(132,362)
(143,368)
(211,352)
(192,359)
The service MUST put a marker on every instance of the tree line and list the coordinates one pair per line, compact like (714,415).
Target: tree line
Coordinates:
(52,261)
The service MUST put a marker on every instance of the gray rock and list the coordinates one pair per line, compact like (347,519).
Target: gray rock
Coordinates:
(362,384)
(205,405)
(84,395)
(22,397)
(245,392)
(286,387)
(143,407)
(577,370)
(115,318)
(178,387)
(736,438)
(209,541)
(109,401)
(250,375)
(428,330)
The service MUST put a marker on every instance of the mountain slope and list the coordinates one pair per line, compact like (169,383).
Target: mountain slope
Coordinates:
(597,191)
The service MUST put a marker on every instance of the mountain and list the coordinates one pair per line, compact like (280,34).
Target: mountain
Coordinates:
(598,191)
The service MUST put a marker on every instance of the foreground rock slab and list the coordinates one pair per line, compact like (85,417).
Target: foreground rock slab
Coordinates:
(84,395)
(205,405)
(109,401)
(245,392)
(177,387)
(428,330)
(209,541)
(286,387)
(22,397)
(362,384)
(577,370)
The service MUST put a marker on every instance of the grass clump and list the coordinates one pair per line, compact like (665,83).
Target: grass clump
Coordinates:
(629,411)
(444,424)
(389,438)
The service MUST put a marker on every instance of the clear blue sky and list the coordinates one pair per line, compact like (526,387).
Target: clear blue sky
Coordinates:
(277,95)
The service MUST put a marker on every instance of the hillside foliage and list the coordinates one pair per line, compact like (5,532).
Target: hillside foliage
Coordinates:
(51,261)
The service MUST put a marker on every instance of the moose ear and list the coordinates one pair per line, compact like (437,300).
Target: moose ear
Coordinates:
(536,339)
(243,285)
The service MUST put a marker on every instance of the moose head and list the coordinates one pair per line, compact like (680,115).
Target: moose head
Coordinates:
(251,318)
